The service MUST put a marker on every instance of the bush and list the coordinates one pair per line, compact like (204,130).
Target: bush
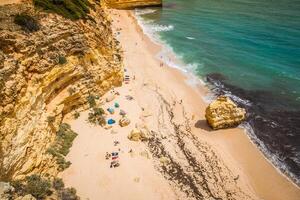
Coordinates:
(61,147)
(27,22)
(42,188)
(34,185)
(50,119)
(19,187)
(37,187)
(68,194)
(76,115)
(62,60)
(97,117)
(72,9)
(58,184)
(91,100)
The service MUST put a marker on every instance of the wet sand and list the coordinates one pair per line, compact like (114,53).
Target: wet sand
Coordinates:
(198,163)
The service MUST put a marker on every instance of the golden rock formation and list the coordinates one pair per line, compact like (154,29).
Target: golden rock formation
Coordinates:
(129,4)
(224,113)
(43,76)
(138,135)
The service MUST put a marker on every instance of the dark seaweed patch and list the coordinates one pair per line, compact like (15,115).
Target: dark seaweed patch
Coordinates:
(271,118)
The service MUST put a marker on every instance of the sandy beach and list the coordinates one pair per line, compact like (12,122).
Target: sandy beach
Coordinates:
(184,158)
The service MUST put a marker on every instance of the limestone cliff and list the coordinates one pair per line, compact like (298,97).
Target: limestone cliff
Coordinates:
(43,76)
(128,4)
(224,113)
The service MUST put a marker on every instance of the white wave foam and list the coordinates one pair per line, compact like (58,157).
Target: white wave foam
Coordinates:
(144,11)
(190,38)
(151,29)
(167,55)
(161,28)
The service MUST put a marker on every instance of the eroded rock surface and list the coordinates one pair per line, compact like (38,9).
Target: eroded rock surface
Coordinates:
(127,4)
(224,113)
(45,75)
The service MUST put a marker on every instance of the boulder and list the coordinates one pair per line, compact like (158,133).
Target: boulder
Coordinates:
(164,160)
(5,190)
(224,113)
(26,197)
(110,97)
(146,113)
(137,135)
(124,121)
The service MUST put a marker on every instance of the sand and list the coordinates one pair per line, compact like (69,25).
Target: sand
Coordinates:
(183,159)
(4,2)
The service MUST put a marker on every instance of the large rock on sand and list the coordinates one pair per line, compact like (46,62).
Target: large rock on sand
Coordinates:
(124,121)
(224,113)
(137,135)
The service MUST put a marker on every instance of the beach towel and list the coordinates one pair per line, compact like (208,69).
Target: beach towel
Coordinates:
(114,157)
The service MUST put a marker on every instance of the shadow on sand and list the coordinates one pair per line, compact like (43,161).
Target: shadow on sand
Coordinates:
(202,124)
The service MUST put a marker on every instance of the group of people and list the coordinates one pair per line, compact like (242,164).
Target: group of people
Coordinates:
(114,159)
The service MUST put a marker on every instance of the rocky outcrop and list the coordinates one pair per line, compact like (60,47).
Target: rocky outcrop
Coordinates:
(5,190)
(129,4)
(224,113)
(138,135)
(45,75)
(124,121)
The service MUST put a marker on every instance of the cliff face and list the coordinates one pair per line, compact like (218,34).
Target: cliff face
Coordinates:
(128,4)
(43,76)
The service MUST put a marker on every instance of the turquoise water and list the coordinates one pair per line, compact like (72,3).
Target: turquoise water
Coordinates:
(249,50)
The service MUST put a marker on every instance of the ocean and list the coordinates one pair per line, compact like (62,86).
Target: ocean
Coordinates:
(248,50)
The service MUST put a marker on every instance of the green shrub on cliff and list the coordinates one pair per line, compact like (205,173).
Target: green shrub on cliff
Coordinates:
(58,184)
(62,192)
(96,116)
(68,194)
(34,185)
(27,22)
(37,187)
(76,115)
(91,99)
(61,147)
(72,9)
(42,188)
(62,60)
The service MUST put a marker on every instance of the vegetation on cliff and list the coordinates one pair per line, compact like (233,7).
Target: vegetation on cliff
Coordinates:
(27,22)
(41,188)
(96,116)
(72,9)
(37,72)
(62,145)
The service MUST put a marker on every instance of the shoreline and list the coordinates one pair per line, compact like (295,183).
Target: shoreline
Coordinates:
(203,90)
(207,94)
(227,159)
